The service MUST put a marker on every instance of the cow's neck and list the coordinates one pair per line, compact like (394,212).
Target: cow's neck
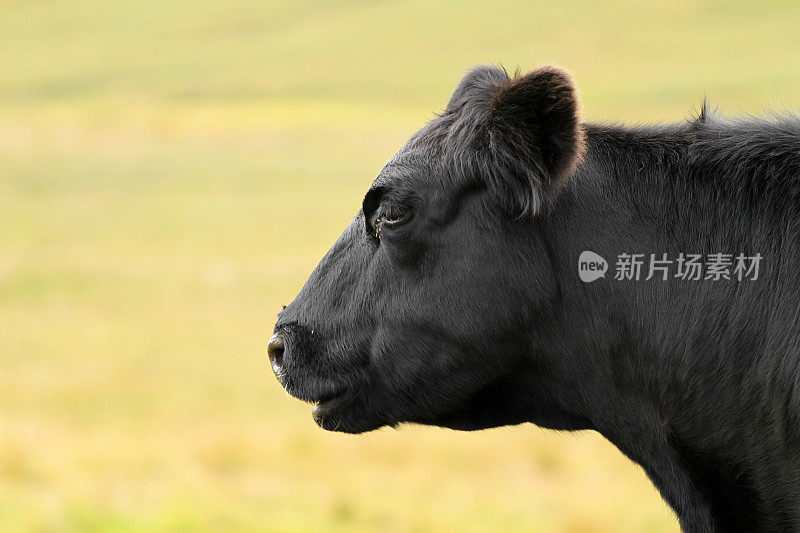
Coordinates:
(662,366)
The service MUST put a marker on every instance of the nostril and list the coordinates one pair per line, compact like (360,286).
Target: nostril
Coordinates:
(275,351)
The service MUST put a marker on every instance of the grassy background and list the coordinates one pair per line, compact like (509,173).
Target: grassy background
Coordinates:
(170,172)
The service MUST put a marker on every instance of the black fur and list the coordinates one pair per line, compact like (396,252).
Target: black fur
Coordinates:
(453,299)
(520,136)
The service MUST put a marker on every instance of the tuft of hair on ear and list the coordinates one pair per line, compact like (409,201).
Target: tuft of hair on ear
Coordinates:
(475,88)
(535,136)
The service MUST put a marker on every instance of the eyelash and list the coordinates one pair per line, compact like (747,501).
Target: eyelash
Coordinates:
(392,214)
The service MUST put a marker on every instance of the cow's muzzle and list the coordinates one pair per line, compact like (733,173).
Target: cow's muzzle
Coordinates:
(275,351)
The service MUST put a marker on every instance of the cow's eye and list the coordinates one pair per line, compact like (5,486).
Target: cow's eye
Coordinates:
(388,216)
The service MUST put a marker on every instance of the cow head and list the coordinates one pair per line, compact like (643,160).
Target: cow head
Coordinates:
(427,307)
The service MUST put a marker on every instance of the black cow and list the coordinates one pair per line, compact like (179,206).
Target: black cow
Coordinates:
(455,297)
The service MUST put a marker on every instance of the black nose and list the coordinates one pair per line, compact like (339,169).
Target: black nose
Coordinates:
(275,352)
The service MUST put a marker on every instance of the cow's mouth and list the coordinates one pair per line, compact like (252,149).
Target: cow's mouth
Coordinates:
(337,397)
(327,410)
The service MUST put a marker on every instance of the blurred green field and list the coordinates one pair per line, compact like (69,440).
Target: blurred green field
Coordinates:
(170,172)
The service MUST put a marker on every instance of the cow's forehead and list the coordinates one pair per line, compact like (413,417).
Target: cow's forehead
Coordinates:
(401,168)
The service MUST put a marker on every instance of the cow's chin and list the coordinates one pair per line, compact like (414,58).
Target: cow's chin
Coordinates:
(338,403)
(345,414)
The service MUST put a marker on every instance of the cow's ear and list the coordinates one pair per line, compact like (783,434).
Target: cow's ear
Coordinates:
(535,135)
